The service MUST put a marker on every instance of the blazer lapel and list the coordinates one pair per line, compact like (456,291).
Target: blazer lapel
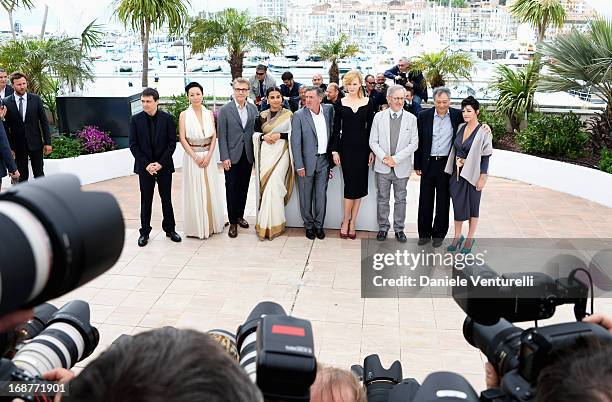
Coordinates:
(29,107)
(402,134)
(309,119)
(387,130)
(234,109)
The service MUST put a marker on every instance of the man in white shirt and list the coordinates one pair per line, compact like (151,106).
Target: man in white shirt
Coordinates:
(5,89)
(311,130)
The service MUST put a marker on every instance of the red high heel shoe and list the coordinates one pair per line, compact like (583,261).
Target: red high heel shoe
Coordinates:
(343,235)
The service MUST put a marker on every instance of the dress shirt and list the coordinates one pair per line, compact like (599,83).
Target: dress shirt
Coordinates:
(24,105)
(442,135)
(321,127)
(243,113)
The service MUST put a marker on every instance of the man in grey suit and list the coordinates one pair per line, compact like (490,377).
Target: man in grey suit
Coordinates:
(235,128)
(393,139)
(311,130)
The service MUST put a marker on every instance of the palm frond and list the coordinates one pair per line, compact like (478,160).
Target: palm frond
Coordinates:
(91,36)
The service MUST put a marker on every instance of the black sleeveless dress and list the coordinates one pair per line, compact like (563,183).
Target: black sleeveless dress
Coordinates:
(351,140)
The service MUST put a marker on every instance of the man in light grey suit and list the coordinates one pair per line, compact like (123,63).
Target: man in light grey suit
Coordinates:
(235,128)
(393,139)
(311,130)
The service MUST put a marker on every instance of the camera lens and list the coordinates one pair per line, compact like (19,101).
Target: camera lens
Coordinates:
(55,238)
(499,342)
(67,339)
(42,315)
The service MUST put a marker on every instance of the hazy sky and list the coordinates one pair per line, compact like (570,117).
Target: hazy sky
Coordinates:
(71,16)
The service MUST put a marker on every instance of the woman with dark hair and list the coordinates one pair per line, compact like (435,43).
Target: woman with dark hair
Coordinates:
(203,188)
(273,165)
(468,164)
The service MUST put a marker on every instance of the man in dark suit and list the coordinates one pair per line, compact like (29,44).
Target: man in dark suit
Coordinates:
(152,140)
(437,129)
(27,127)
(378,99)
(235,129)
(410,105)
(6,158)
(5,89)
(311,130)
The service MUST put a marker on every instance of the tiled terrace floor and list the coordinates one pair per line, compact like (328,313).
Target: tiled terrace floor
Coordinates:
(214,283)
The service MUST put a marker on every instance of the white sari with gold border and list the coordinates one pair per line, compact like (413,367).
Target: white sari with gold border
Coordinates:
(274,168)
(203,188)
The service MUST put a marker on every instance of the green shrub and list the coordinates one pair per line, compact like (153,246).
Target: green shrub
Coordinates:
(550,135)
(65,146)
(496,122)
(176,106)
(605,161)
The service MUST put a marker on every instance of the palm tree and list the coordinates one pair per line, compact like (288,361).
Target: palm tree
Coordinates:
(39,60)
(147,16)
(91,36)
(516,89)
(44,23)
(437,66)
(581,61)
(239,33)
(539,14)
(11,5)
(334,50)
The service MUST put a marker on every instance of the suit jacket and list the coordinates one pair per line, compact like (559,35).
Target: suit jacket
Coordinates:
(378,99)
(304,140)
(232,137)
(414,108)
(30,134)
(407,143)
(8,91)
(6,159)
(269,82)
(164,142)
(425,125)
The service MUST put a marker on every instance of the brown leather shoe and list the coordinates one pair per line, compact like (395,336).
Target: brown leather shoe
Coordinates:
(242,223)
(233,230)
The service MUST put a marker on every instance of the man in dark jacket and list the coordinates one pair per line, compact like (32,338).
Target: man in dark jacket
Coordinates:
(152,142)
(27,128)
(402,75)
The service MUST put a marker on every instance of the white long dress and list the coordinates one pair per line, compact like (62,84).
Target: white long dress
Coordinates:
(203,188)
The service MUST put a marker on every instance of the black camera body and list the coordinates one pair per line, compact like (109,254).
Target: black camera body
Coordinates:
(11,374)
(519,356)
(277,352)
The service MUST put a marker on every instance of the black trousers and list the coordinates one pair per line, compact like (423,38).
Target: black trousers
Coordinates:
(147,187)
(434,186)
(21,159)
(237,187)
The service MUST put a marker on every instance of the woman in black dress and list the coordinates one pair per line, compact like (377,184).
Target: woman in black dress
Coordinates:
(350,148)
(469,158)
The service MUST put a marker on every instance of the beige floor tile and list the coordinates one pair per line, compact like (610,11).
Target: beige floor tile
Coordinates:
(124,282)
(110,297)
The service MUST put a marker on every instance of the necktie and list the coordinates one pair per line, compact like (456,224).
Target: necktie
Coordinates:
(262,93)
(394,116)
(21,107)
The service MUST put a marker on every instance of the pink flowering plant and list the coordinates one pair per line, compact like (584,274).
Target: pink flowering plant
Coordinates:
(94,140)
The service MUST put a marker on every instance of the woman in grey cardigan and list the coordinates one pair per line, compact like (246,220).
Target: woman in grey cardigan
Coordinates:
(468,164)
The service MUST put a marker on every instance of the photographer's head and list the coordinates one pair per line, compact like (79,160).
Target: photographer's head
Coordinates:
(336,385)
(165,364)
(582,373)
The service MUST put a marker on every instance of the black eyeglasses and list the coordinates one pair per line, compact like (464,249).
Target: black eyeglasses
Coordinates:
(370,82)
(262,73)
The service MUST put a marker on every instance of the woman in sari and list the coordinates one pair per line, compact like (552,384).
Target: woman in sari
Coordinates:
(203,189)
(273,166)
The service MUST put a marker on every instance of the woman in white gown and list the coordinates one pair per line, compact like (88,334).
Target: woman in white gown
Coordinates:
(203,188)
(273,165)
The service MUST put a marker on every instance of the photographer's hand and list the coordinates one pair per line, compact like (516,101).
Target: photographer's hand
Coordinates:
(491,377)
(10,321)
(603,320)
(60,375)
